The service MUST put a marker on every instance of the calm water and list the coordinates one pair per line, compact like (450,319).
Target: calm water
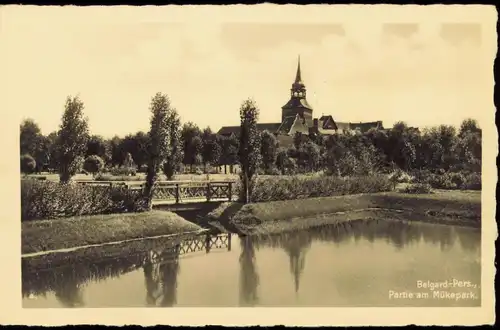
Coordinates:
(375,263)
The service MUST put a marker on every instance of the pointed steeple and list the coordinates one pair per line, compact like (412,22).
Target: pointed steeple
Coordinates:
(298,76)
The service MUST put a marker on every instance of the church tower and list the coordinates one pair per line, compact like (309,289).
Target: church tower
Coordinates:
(297,105)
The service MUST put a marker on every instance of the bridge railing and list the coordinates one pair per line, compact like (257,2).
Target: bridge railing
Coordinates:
(178,191)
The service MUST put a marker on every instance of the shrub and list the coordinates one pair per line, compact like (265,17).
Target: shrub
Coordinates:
(124,170)
(297,187)
(75,167)
(104,177)
(128,162)
(457,179)
(28,164)
(421,176)
(418,188)
(472,182)
(441,181)
(449,180)
(272,171)
(49,200)
(93,164)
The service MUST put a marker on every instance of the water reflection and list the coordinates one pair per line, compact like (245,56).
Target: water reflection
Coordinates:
(296,247)
(69,294)
(68,281)
(398,234)
(249,278)
(159,261)
(347,264)
(160,272)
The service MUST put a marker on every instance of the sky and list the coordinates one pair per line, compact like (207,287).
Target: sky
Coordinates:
(425,65)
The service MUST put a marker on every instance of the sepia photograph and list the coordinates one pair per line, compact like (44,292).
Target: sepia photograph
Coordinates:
(206,156)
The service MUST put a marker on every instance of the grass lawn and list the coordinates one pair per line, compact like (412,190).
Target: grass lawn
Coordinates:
(447,207)
(65,233)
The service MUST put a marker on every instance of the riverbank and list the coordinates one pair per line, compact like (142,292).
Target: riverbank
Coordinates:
(89,234)
(68,233)
(444,207)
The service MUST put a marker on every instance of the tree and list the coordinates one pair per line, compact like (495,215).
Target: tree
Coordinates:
(284,163)
(34,143)
(43,154)
(469,126)
(174,155)
(229,146)
(210,151)
(53,160)
(28,164)
(268,149)
(72,139)
(192,145)
(299,139)
(128,162)
(196,149)
(249,151)
(97,145)
(159,141)
(309,156)
(117,154)
(136,145)
(468,148)
(29,136)
(140,151)
(93,164)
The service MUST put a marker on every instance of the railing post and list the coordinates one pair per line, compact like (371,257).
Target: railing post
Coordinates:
(207,243)
(229,242)
(209,193)
(230,191)
(177,193)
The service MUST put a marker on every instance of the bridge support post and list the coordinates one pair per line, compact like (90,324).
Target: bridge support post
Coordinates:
(207,243)
(177,193)
(208,192)
(230,191)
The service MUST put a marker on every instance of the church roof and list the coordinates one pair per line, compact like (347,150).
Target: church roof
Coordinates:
(297,103)
(364,127)
(293,124)
(286,125)
(228,130)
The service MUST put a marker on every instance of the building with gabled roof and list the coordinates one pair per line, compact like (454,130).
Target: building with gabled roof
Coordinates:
(297,116)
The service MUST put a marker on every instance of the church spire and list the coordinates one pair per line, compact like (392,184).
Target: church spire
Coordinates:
(298,77)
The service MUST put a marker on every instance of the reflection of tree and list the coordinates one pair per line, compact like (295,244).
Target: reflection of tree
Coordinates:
(69,294)
(249,278)
(468,239)
(66,281)
(160,275)
(296,246)
(169,272)
(397,233)
(151,280)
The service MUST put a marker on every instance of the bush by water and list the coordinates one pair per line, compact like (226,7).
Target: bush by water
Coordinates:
(298,187)
(49,200)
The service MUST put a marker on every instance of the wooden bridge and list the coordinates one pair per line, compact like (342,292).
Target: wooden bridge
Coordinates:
(179,192)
